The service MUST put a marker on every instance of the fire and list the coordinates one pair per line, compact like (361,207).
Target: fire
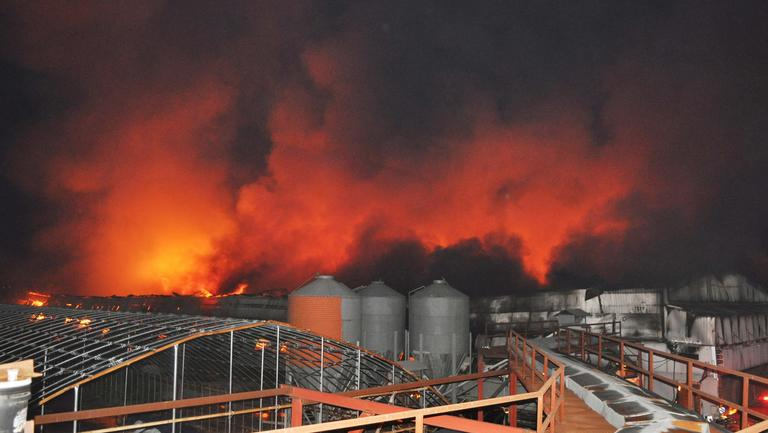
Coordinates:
(204,293)
(105,331)
(84,322)
(35,299)
(240,289)
(39,316)
(731,411)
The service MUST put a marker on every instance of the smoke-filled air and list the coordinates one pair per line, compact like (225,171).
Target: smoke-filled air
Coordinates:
(187,147)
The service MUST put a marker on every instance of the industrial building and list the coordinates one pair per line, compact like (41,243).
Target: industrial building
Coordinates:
(272,305)
(721,322)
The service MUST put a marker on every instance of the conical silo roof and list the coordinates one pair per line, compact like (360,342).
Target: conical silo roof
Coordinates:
(439,289)
(377,289)
(324,285)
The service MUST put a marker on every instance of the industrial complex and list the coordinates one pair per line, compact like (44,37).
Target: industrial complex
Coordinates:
(331,358)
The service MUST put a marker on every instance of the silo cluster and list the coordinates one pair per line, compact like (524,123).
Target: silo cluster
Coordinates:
(439,327)
(374,316)
(327,307)
(383,319)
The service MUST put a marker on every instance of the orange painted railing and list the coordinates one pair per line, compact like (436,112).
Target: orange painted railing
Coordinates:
(634,359)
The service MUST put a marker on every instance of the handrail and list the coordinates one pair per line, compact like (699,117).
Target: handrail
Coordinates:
(588,343)
(544,378)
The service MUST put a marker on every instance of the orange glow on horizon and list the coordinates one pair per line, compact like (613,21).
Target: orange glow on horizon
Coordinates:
(170,222)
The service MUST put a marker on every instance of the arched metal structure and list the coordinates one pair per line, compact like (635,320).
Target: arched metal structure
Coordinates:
(91,359)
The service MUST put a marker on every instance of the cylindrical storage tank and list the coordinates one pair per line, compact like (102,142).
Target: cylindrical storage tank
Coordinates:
(383,327)
(14,397)
(327,307)
(439,327)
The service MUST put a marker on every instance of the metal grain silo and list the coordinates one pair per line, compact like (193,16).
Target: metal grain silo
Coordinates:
(439,327)
(327,307)
(383,328)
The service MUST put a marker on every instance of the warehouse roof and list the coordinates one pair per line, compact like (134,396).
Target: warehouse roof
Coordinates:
(72,347)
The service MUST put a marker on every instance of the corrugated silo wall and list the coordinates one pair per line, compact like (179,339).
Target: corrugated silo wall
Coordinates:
(383,324)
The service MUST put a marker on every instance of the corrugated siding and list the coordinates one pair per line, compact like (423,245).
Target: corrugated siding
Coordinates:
(320,314)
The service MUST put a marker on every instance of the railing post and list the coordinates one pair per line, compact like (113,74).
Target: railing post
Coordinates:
(622,373)
(546,366)
(419,424)
(552,406)
(599,350)
(568,342)
(539,414)
(533,366)
(297,409)
(650,370)
(689,383)
(513,406)
(745,402)
(583,346)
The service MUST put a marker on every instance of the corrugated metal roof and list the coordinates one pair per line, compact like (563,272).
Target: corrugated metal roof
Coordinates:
(72,347)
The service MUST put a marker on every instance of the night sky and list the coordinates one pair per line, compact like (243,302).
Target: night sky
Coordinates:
(151,147)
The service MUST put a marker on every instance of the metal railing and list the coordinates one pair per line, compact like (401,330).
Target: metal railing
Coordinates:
(612,327)
(543,378)
(651,368)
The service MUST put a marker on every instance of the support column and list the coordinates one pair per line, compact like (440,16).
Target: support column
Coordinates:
(77,396)
(480,394)
(175,375)
(297,409)
(512,407)
(322,367)
(229,404)
(453,366)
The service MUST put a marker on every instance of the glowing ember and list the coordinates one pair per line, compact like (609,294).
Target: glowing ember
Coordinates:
(84,322)
(39,316)
(35,299)
(261,344)
(105,331)
(731,411)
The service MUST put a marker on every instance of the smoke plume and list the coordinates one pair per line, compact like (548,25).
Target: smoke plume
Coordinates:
(157,147)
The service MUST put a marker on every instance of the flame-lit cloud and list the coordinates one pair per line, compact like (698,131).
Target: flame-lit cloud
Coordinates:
(504,147)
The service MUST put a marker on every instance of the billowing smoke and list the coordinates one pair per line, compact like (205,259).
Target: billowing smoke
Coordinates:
(155,147)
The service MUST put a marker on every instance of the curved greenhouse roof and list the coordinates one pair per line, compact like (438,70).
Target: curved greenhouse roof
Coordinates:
(73,347)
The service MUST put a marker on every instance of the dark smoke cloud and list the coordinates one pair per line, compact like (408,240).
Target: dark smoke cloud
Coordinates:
(485,266)
(670,98)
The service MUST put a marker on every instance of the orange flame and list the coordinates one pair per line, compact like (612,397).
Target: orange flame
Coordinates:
(204,293)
